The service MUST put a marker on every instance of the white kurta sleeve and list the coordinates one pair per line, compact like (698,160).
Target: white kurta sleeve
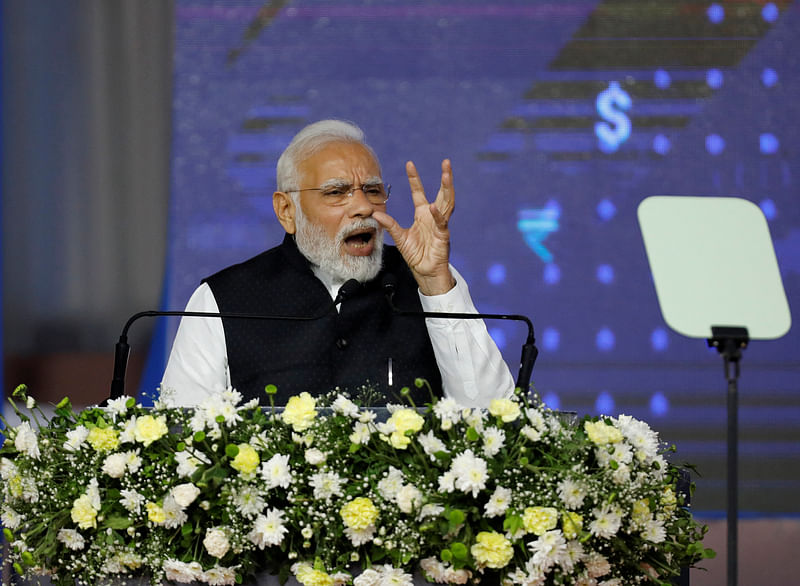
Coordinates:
(473,370)
(198,363)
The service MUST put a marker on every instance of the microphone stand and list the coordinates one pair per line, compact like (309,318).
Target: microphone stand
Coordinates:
(122,348)
(529,350)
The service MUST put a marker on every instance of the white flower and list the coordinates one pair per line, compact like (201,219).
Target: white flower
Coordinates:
(76,438)
(432,444)
(345,406)
(360,536)
(607,521)
(26,441)
(429,510)
(548,549)
(185,494)
(444,573)
(187,464)
(248,501)
(409,498)
(622,475)
(182,572)
(276,471)
(133,461)
(597,565)
(216,542)
(531,433)
(71,538)
(219,576)
(174,516)
(573,555)
(268,529)
(448,411)
(653,531)
(131,500)
(389,486)
(314,456)
(368,577)
(572,493)
(474,418)
(394,576)
(10,517)
(498,503)
(326,485)
(447,482)
(470,473)
(115,465)
(118,406)
(361,433)
(493,441)
(8,469)
(30,403)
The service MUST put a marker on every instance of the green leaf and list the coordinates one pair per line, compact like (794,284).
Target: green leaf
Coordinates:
(473,435)
(118,522)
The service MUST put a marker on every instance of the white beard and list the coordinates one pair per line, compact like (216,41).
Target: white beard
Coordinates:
(317,247)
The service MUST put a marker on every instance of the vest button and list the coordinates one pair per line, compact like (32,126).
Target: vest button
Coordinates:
(341,343)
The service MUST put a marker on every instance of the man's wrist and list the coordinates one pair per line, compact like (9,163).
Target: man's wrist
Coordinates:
(438,285)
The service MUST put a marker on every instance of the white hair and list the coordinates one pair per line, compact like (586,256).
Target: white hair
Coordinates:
(310,140)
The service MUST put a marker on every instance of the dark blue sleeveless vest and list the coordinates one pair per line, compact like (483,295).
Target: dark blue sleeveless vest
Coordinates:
(349,350)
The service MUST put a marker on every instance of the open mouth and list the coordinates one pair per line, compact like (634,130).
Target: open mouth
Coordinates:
(360,242)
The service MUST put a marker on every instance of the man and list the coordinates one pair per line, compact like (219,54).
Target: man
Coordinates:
(331,201)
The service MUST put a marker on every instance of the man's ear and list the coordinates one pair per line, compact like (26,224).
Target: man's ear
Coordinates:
(284,209)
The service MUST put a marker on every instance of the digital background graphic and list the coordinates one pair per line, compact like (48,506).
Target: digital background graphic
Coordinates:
(559,118)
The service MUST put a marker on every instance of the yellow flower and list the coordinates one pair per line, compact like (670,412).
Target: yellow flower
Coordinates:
(103,440)
(308,576)
(539,520)
(83,513)
(148,429)
(246,461)
(641,512)
(300,411)
(668,500)
(402,421)
(491,549)
(600,433)
(571,524)
(155,514)
(505,409)
(359,513)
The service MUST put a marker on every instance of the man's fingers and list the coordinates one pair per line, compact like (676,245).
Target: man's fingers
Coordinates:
(417,191)
(394,229)
(445,199)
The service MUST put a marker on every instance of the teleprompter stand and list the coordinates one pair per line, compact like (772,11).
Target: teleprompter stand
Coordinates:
(730,341)
(713,262)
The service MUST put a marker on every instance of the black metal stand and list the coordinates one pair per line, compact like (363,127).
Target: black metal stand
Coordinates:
(730,341)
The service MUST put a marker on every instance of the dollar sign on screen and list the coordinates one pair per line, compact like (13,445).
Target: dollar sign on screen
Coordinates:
(611,104)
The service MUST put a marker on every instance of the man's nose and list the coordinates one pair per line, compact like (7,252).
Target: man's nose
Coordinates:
(358,204)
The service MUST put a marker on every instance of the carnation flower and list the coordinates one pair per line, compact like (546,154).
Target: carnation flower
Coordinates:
(345,406)
(149,429)
(409,499)
(185,494)
(602,433)
(539,520)
(182,572)
(103,439)
(359,513)
(314,456)
(300,411)
(155,513)
(26,441)
(115,465)
(505,409)
(308,576)
(216,542)
(398,427)
(492,550)
(219,576)
(76,438)
(246,460)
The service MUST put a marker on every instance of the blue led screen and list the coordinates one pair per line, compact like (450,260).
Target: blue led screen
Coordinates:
(559,118)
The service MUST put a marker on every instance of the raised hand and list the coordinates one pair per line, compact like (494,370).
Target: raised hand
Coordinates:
(425,245)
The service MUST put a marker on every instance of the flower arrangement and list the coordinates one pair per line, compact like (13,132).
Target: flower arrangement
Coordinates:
(218,493)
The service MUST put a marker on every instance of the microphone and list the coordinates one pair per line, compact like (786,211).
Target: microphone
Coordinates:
(122,348)
(529,350)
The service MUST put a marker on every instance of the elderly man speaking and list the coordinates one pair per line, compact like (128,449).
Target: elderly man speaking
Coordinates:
(331,200)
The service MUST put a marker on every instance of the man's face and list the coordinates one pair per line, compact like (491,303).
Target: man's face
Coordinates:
(343,239)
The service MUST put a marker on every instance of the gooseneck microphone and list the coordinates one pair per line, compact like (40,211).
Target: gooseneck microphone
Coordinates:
(529,350)
(122,348)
